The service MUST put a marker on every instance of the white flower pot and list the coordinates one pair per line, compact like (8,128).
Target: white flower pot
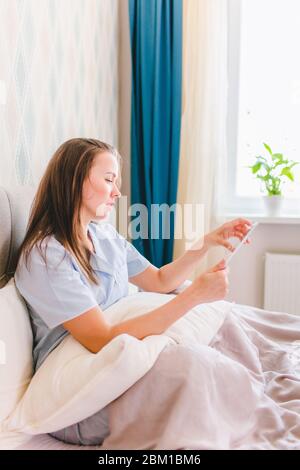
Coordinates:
(273,205)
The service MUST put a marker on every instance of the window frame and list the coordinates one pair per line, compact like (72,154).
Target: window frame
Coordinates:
(232,203)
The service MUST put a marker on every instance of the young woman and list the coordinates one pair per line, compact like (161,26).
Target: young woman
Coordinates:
(71,269)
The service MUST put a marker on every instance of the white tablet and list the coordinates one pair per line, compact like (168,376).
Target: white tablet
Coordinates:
(240,244)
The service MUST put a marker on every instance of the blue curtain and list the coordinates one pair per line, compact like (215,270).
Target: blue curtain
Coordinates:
(156,47)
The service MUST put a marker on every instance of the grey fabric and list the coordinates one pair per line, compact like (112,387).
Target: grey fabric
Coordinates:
(15,206)
(91,431)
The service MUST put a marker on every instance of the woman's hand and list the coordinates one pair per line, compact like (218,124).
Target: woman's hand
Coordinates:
(212,285)
(235,228)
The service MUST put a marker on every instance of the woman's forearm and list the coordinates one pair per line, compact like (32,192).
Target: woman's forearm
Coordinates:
(172,275)
(154,322)
(208,287)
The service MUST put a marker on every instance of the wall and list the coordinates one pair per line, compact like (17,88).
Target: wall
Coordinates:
(247,269)
(58,79)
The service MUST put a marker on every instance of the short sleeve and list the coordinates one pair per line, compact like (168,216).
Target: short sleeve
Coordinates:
(136,262)
(56,292)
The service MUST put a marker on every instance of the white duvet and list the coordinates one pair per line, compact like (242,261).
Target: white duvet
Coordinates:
(73,383)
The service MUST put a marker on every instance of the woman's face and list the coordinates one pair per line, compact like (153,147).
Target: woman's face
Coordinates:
(99,191)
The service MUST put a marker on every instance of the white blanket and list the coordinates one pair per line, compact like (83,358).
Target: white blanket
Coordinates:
(73,383)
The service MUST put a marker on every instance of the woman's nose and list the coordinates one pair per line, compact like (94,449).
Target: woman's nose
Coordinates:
(116,191)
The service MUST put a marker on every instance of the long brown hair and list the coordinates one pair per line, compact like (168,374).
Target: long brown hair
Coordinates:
(56,207)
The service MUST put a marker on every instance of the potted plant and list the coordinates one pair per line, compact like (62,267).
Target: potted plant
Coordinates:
(272,171)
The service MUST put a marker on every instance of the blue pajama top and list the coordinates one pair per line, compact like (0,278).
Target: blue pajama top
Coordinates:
(60,291)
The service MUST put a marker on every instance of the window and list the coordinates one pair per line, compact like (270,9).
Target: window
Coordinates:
(263,95)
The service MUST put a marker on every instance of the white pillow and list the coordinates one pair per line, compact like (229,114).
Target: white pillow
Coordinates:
(16,366)
(132,289)
(73,383)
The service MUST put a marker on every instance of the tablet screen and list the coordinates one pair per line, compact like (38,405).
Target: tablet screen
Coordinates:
(240,244)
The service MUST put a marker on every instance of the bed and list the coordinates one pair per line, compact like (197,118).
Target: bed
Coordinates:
(240,391)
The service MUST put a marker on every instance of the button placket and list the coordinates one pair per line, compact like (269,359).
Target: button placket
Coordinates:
(117,278)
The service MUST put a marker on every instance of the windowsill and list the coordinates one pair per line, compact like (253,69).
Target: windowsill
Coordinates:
(264,219)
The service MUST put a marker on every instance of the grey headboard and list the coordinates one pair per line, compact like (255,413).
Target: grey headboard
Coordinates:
(15,206)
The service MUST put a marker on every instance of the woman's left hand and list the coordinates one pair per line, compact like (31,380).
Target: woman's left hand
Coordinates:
(237,228)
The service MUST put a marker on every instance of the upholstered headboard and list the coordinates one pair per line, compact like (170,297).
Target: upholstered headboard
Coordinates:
(14,212)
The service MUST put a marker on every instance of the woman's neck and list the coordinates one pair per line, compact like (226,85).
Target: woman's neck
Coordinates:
(86,240)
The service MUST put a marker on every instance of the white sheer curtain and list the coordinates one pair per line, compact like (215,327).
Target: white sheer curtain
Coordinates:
(203,131)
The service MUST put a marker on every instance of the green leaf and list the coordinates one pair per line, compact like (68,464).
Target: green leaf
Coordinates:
(277,156)
(287,172)
(267,147)
(264,178)
(275,165)
(256,167)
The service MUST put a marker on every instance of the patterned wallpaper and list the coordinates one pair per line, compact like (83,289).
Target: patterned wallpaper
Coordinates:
(58,79)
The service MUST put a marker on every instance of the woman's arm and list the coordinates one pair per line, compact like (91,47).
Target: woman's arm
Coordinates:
(93,331)
(170,276)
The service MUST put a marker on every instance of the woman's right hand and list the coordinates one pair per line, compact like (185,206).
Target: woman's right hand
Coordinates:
(212,285)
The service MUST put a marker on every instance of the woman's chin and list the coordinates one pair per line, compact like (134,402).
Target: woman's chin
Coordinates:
(105,211)
(102,216)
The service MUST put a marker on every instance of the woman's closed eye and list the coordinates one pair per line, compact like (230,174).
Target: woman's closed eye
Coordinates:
(109,181)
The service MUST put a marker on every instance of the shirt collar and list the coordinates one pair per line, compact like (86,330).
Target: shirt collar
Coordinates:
(97,261)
